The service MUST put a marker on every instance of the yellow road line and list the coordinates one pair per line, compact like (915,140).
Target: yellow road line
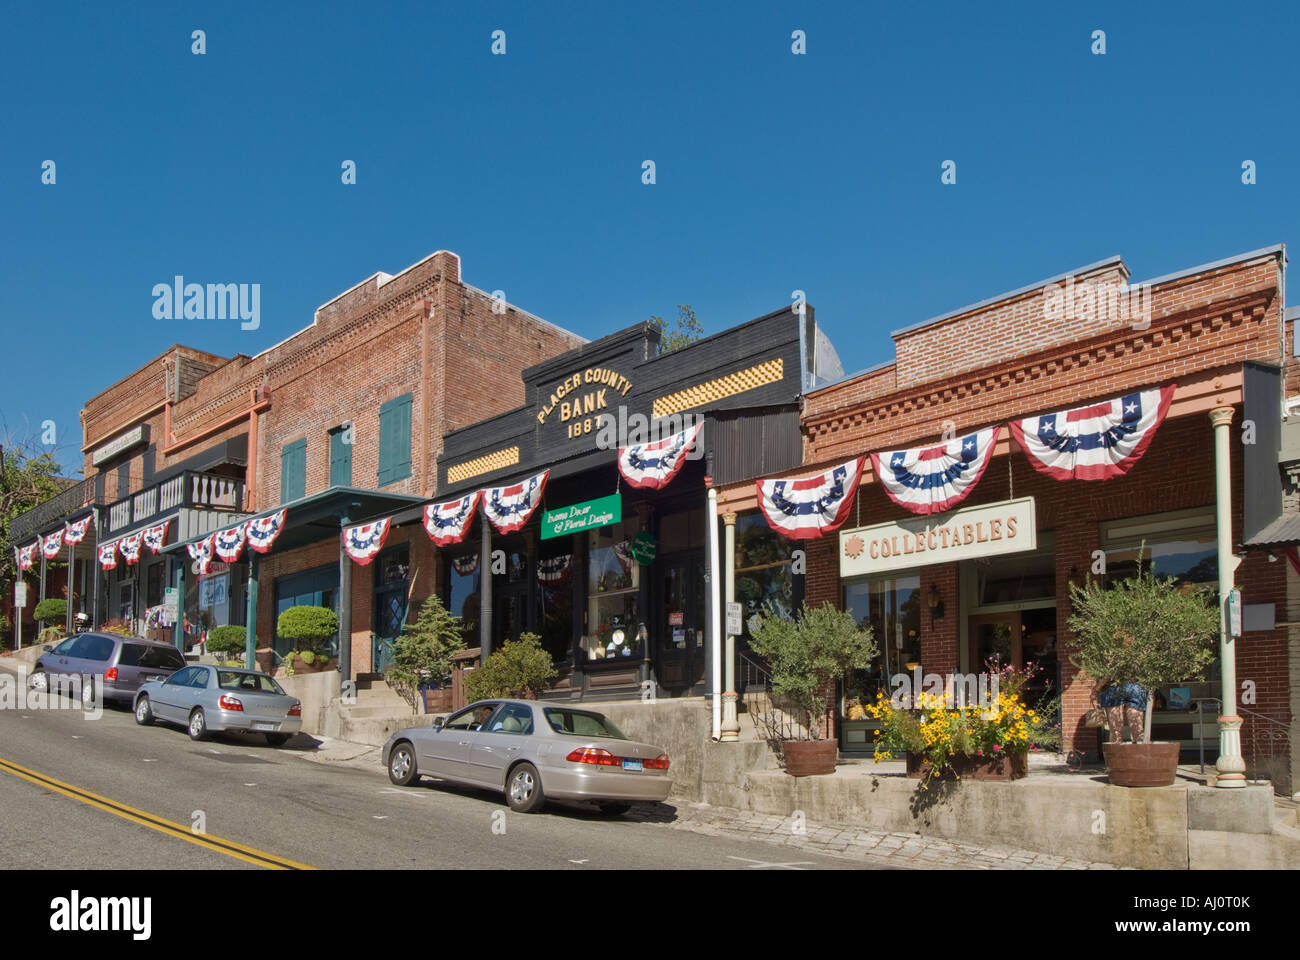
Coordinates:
(166,827)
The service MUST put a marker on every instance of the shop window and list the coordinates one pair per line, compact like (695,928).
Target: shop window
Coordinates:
(613,628)
(316,588)
(683,530)
(341,456)
(463,579)
(891,607)
(154,584)
(764,570)
(293,471)
(555,570)
(395,440)
(1017,577)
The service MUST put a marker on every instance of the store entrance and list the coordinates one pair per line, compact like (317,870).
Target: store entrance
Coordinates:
(679,660)
(1021,639)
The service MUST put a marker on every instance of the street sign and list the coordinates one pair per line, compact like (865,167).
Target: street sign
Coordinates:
(20,594)
(600,512)
(171,606)
(734,625)
(1234,612)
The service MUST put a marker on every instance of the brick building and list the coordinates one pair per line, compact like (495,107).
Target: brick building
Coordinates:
(1220,333)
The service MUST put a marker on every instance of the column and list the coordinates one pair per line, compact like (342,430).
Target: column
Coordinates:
(485,591)
(1231,766)
(250,615)
(178,581)
(730,720)
(345,610)
(644,603)
(72,582)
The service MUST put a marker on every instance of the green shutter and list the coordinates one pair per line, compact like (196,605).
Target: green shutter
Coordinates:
(293,471)
(395,440)
(340,459)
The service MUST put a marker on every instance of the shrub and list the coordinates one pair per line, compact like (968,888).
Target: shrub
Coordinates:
(309,628)
(423,652)
(520,669)
(50,635)
(51,609)
(228,640)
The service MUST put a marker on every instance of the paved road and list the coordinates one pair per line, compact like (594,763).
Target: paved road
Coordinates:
(273,801)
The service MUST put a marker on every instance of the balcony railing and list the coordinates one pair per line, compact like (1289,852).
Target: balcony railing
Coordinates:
(62,506)
(206,491)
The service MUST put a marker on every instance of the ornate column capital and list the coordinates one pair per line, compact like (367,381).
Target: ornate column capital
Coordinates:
(1221,416)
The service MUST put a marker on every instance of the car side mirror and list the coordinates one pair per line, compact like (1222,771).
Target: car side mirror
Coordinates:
(47,648)
(438,722)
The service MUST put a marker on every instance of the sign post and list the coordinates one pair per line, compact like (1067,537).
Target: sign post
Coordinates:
(20,601)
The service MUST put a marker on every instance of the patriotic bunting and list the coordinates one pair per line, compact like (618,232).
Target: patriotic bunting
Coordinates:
(108,555)
(263,531)
(155,537)
(27,555)
(934,479)
(364,541)
(549,570)
(447,523)
(76,530)
(52,544)
(811,506)
(202,552)
(1095,442)
(466,565)
(652,466)
(129,547)
(229,544)
(510,507)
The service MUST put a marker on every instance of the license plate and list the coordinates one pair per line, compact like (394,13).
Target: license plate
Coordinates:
(264,726)
(631,764)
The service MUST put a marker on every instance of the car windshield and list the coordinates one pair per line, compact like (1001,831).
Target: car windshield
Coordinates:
(159,658)
(582,723)
(255,682)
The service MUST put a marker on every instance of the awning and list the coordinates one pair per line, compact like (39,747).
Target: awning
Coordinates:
(1282,532)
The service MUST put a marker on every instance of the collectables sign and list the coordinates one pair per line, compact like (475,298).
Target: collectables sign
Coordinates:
(984,531)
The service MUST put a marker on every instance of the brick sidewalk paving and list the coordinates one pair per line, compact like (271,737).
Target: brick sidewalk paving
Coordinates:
(892,850)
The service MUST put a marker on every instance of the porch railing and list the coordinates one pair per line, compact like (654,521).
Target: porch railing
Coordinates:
(207,491)
(775,717)
(1265,744)
(60,506)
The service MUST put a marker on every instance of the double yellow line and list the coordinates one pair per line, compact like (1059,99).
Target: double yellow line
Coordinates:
(166,827)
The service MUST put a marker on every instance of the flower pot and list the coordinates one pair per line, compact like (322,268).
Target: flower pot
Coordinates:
(999,766)
(810,758)
(1141,764)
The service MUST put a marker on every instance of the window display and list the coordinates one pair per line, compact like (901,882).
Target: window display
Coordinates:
(613,630)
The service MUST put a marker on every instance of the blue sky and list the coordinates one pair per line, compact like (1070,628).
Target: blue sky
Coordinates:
(774,172)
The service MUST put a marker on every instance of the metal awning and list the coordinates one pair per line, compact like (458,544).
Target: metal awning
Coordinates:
(1282,532)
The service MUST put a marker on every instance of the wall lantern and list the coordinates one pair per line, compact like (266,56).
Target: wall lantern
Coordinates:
(936,604)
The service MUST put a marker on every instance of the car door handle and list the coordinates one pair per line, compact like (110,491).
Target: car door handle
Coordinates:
(511,749)
(464,743)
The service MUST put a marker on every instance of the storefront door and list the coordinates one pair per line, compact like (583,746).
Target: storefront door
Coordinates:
(392,591)
(995,635)
(681,628)
(512,600)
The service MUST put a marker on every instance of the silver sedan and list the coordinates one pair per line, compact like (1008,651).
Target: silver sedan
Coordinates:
(532,751)
(206,699)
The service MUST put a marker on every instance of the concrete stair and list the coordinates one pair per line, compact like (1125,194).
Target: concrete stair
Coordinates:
(378,712)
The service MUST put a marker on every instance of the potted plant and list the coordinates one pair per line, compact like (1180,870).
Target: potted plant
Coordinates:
(521,669)
(422,655)
(228,644)
(51,612)
(1139,634)
(310,630)
(806,654)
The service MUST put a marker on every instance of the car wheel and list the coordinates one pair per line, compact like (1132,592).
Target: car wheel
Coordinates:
(40,682)
(524,789)
(401,765)
(143,712)
(88,691)
(198,725)
(277,739)
(611,809)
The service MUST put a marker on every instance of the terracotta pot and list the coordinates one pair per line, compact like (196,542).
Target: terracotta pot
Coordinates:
(1141,764)
(1000,766)
(810,758)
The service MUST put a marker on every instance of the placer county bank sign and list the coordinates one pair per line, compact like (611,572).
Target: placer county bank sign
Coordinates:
(984,531)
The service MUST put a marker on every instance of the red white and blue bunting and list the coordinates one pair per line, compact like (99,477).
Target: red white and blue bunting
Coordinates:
(1096,442)
(108,555)
(202,552)
(228,545)
(52,544)
(263,531)
(129,547)
(364,541)
(510,507)
(155,537)
(466,565)
(76,530)
(811,506)
(933,479)
(652,466)
(447,523)
(551,569)
(27,555)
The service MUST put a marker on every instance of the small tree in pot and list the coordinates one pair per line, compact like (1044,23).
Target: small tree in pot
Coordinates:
(310,629)
(1139,634)
(806,654)
(422,654)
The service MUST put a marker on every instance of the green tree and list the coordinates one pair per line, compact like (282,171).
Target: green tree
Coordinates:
(27,478)
(424,650)
(808,653)
(520,669)
(686,329)
(308,628)
(1144,629)
(51,610)
(229,641)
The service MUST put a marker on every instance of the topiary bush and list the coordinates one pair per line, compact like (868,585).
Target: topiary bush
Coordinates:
(229,641)
(521,669)
(309,628)
(53,609)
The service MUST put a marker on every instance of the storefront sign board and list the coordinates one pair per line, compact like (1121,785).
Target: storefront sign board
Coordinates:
(582,516)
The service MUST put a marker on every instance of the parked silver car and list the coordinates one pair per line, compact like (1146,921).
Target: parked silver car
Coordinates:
(532,751)
(111,664)
(208,699)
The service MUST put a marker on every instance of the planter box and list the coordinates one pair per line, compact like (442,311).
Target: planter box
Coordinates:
(438,701)
(810,758)
(1141,764)
(1009,766)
